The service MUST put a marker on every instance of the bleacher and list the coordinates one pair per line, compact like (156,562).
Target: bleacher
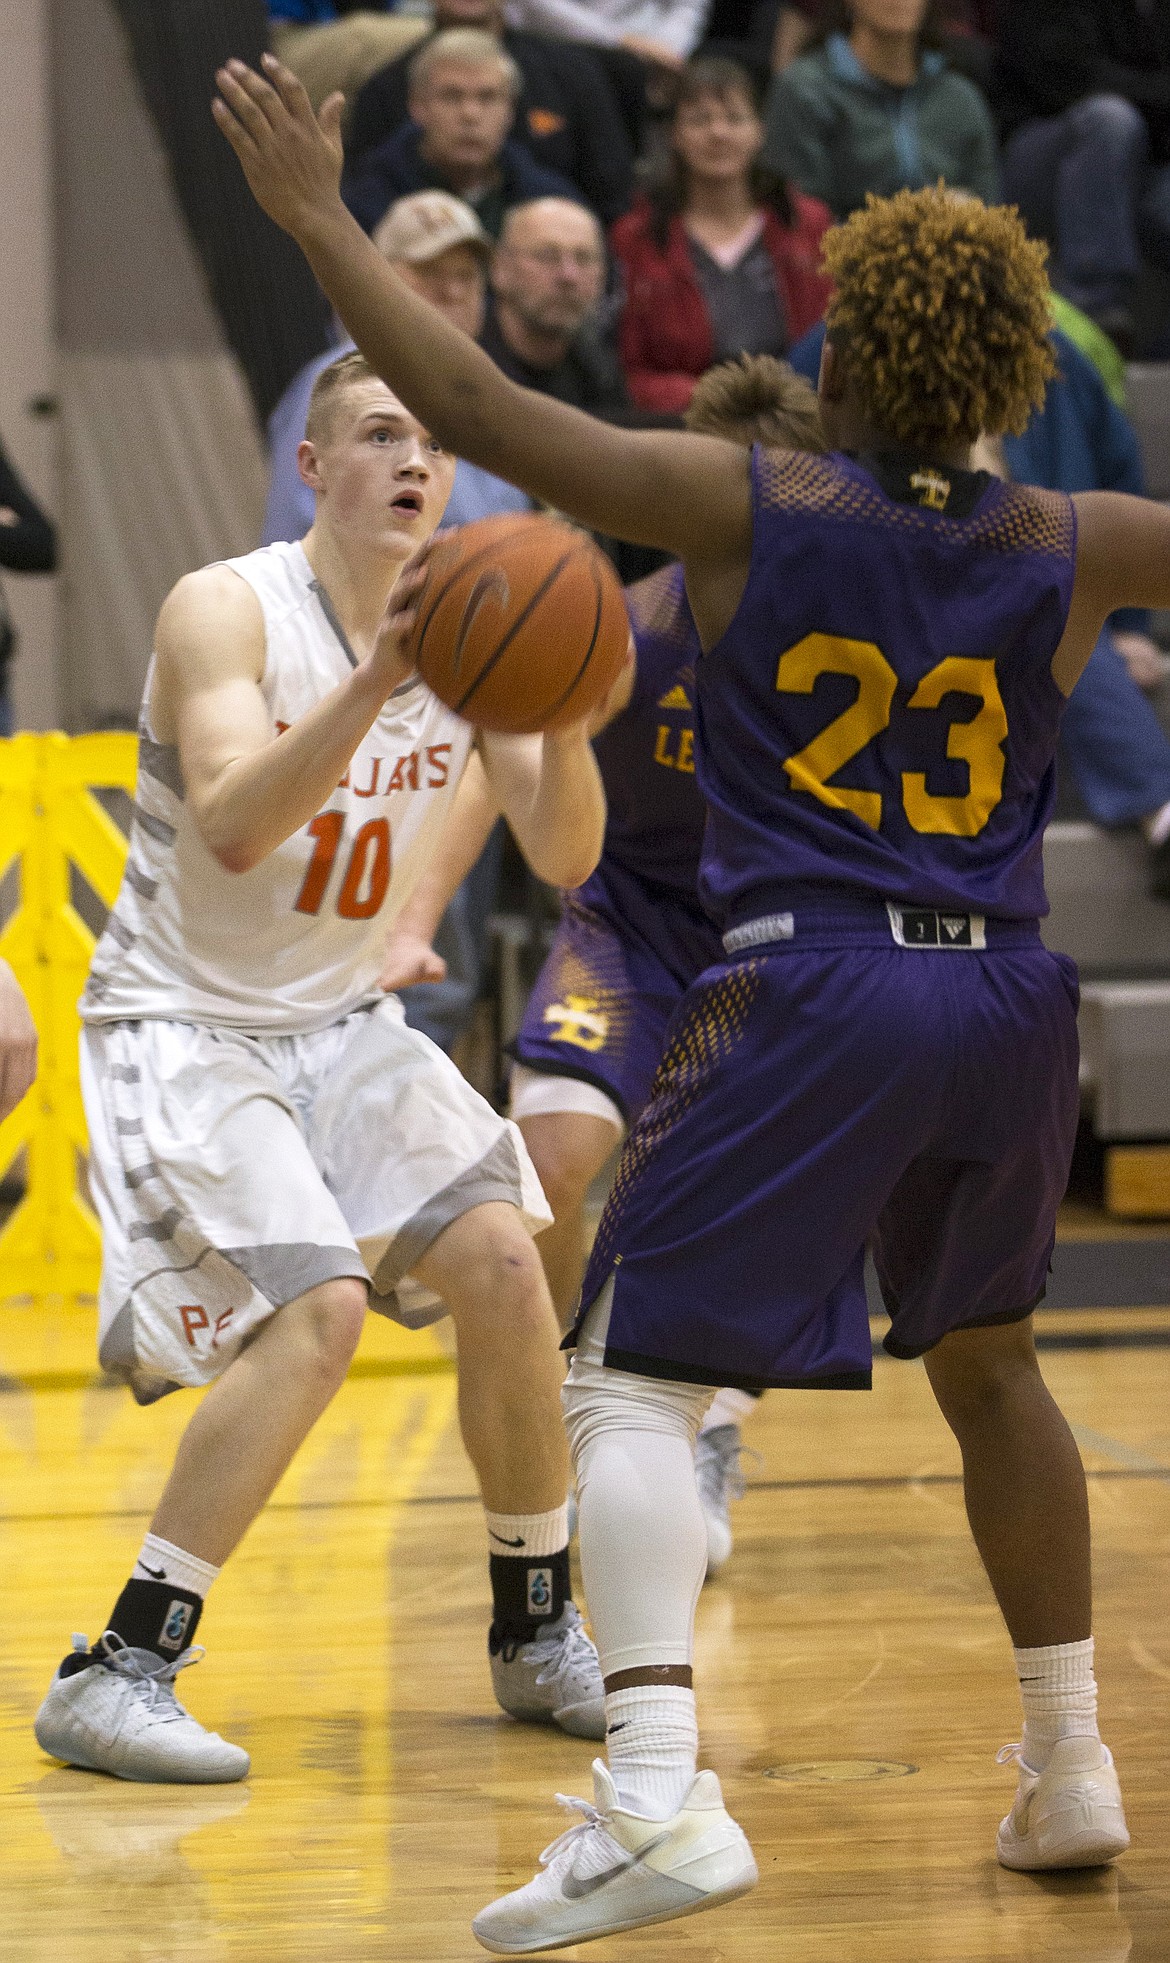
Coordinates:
(1104,916)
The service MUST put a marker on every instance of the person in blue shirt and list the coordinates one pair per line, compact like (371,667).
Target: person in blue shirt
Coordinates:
(1116,748)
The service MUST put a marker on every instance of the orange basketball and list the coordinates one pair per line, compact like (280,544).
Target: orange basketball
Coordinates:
(521,624)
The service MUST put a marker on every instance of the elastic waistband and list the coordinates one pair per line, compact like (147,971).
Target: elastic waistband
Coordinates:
(857,921)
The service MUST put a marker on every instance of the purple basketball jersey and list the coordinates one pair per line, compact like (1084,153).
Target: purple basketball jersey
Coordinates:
(881,714)
(649,870)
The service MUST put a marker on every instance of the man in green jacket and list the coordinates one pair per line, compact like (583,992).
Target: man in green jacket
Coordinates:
(876,108)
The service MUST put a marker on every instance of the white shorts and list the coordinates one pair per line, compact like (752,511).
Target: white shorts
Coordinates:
(545,1094)
(233,1172)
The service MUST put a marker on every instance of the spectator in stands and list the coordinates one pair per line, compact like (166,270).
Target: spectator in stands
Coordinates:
(876,107)
(548,277)
(1083,96)
(438,246)
(966,28)
(662,33)
(567,116)
(28,544)
(463,92)
(1116,748)
(720,257)
(331,45)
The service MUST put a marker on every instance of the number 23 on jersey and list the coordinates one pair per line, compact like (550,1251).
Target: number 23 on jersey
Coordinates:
(977,743)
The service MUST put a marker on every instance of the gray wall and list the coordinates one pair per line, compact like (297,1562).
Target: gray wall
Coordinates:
(154,463)
(162,465)
(27,351)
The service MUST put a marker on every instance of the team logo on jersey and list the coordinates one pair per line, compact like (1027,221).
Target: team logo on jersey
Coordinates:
(675,698)
(581,1020)
(934,490)
(175,1627)
(540,1591)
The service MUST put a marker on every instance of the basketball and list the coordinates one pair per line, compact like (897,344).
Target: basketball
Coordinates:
(521,624)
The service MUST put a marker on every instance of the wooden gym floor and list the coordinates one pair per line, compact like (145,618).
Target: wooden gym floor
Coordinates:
(854,1685)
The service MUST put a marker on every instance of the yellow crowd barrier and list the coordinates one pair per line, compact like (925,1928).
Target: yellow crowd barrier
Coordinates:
(50,822)
(51,826)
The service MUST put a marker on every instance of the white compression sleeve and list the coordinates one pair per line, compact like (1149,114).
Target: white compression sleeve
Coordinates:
(642,1536)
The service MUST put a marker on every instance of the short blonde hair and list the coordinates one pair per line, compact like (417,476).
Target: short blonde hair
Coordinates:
(757,399)
(467,44)
(331,384)
(941,316)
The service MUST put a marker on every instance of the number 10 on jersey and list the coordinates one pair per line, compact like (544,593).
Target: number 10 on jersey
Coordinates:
(367,874)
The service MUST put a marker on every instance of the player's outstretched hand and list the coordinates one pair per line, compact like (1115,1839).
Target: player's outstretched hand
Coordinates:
(291,158)
(408,960)
(18,1042)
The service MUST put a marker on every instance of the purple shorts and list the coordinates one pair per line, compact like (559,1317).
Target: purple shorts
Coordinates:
(603,1001)
(816,1098)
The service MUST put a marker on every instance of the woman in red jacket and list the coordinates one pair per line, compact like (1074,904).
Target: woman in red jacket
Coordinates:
(720,257)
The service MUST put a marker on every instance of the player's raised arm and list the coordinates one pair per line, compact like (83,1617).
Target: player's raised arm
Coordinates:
(688,495)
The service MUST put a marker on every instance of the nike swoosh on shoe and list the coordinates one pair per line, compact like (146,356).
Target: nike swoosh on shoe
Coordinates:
(576,1887)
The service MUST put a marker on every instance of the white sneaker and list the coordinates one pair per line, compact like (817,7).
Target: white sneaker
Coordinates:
(122,1716)
(718,1470)
(1068,1816)
(555,1679)
(616,1870)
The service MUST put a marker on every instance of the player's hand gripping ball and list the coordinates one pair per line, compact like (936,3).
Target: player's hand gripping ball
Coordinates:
(520,624)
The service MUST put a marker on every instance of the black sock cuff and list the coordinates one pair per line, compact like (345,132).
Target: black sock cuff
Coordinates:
(156,1615)
(528,1593)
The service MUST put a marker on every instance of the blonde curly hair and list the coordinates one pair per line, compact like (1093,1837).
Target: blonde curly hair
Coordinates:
(940,318)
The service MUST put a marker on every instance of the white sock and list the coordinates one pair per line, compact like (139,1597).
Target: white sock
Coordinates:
(161,1560)
(727,1407)
(529,1533)
(1059,1695)
(652,1743)
(1157,825)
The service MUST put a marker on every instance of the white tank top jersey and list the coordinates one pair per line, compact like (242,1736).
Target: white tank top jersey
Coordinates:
(297,942)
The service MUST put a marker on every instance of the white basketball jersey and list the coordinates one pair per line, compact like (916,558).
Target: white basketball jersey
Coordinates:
(297,942)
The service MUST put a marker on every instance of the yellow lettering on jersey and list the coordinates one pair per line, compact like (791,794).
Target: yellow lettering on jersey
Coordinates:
(581,1021)
(684,757)
(978,744)
(846,736)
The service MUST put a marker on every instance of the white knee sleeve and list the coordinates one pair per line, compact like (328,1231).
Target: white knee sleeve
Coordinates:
(642,1535)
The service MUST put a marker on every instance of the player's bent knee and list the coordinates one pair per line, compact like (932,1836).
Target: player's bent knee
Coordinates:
(330,1320)
(567,1157)
(972,1372)
(598,1401)
(497,1271)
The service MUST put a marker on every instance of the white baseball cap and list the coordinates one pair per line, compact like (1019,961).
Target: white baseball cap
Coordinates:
(419,227)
